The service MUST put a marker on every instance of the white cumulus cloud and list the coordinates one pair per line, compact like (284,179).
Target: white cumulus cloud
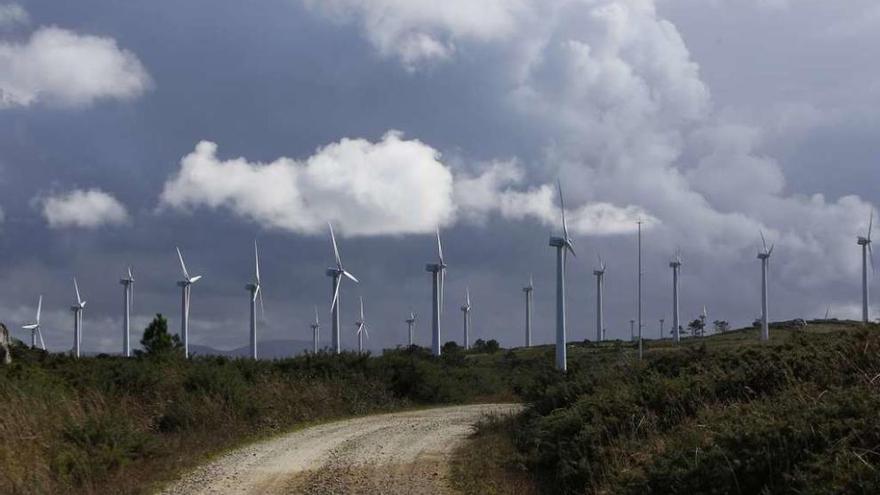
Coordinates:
(90,209)
(393,186)
(12,14)
(59,67)
(417,31)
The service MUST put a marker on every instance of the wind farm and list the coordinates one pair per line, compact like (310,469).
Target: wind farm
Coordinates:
(504,247)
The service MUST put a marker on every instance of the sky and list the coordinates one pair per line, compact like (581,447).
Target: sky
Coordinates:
(130,128)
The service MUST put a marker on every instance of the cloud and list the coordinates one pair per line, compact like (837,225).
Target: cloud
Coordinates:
(12,14)
(419,31)
(59,67)
(393,186)
(89,209)
(493,192)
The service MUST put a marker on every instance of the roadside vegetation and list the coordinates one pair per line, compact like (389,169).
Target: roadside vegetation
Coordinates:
(107,424)
(721,415)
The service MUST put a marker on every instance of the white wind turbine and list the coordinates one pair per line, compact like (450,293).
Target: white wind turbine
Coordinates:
(563,246)
(185,286)
(35,327)
(600,288)
(362,332)
(336,273)
(438,279)
(316,326)
(409,323)
(528,290)
(255,290)
(675,264)
(77,320)
(764,256)
(466,312)
(128,299)
(704,317)
(867,254)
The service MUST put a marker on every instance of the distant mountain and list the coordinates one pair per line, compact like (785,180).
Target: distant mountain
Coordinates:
(270,349)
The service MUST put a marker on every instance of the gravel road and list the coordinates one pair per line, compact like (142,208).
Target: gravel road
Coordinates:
(403,453)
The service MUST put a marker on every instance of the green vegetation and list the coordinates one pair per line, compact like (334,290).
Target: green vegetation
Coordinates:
(112,425)
(724,414)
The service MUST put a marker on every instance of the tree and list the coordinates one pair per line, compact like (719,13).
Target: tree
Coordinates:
(157,340)
(721,326)
(491,346)
(696,327)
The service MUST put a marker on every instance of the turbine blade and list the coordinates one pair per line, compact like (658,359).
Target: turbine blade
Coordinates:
(362,308)
(130,276)
(771,249)
(827,310)
(442,284)
(335,247)
(468,292)
(335,294)
(262,308)
(182,264)
(570,247)
(764,241)
(350,276)
(40,334)
(256,262)
(562,207)
(316,315)
(870,224)
(531,282)
(870,257)
(76,288)
(39,308)
(195,279)
(439,246)
(29,326)
(366,332)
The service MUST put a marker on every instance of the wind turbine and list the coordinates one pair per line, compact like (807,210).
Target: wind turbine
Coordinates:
(867,253)
(563,246)
(315,328)
(600,287)
(764,256)
(336,273)
(409,323)
(632,330)
(128,298)
(466,312)
(255,291)
(35,327)
(661,328)
(639,222)
(77,320)
(528,290)
(361,324)
(675,264)
(185,286)
(438,279)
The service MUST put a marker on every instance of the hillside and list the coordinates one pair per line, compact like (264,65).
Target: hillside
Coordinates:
(722,414)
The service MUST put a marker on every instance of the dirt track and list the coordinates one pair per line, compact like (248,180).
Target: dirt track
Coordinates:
(390,453)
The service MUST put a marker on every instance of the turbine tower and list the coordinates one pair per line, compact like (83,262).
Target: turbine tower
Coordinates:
(316,326)
(336,273)
(632,330)
(361,325)
(600,287)
(704,317)
(127,299)
(409,323)
(661,328)
(77,320)
(675,264)
(35,327)
(764,256)
(528,290)
(466,312)
(639,222)
(254,289)
(867,253)
(563,246)
(438,279)
(185,286)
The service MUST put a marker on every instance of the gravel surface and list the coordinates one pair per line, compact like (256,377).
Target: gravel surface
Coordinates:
(390,453)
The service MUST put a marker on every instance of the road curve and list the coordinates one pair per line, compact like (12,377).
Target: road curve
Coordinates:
(401,453)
